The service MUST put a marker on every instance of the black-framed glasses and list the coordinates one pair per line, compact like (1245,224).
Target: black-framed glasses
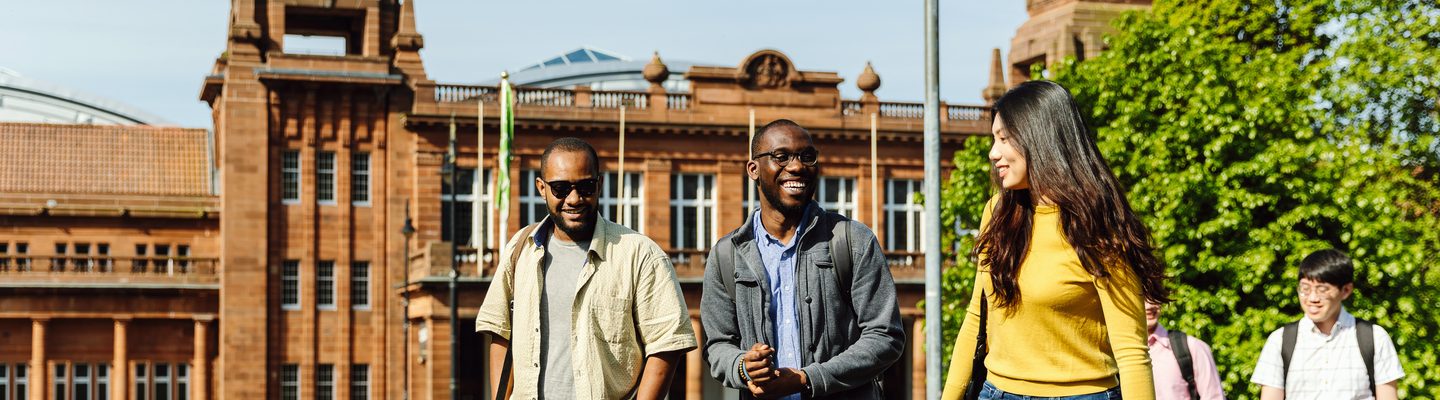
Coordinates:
(808,157)
(561,189)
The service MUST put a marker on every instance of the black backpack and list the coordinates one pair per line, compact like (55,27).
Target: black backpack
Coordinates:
(1364,334)
(1181,347)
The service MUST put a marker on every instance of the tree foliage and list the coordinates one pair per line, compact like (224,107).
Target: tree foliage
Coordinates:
(1251,133)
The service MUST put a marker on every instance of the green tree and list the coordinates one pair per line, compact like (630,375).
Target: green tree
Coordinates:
(1250,133)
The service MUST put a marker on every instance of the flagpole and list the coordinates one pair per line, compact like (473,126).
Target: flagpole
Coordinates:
(507,127)
(749,155)
(874,176)
(620,208)
(479,234)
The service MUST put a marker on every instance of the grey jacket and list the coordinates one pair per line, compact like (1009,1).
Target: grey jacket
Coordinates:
(848,339)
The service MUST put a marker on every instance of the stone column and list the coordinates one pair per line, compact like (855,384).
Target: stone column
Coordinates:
(39,373)
(694,377)
(120,365)
(200,368)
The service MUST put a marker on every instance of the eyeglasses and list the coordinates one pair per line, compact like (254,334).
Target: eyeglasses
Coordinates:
(1321,291)
(808,157)
(561,189)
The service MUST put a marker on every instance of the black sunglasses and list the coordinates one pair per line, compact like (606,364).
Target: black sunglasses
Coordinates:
(561,189)
(808,157)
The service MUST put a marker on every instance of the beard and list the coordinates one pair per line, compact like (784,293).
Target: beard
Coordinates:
(773,197)
(581,229)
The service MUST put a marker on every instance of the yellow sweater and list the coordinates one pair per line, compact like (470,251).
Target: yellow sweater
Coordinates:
(1070,334)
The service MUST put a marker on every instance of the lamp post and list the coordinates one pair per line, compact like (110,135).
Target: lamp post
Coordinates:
(448,171)
(408,231)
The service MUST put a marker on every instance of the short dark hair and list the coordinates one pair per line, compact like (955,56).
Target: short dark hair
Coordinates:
(569,144)
(1330,266)
(755,142)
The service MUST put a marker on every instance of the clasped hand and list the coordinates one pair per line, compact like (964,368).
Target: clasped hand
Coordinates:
(766,380)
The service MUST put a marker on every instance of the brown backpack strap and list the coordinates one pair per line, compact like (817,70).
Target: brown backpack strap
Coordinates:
(505,381)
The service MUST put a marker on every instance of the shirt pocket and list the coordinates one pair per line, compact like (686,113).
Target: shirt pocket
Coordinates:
(613,319)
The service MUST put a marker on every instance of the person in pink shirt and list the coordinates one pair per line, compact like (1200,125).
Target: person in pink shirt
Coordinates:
(1170,377)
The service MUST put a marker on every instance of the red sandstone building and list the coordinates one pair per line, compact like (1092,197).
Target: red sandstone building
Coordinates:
(267,260)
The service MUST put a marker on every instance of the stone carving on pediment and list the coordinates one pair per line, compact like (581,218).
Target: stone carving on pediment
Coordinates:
(769,71)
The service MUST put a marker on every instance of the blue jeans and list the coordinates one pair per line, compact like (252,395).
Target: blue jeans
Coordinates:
(989,392)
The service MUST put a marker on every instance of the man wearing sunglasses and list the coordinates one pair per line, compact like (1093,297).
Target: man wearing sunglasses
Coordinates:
(798,302)
(589,309)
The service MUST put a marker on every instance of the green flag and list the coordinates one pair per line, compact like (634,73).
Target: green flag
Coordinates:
(507,135)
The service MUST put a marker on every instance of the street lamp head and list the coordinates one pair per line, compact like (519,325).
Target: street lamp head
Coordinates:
(408,230)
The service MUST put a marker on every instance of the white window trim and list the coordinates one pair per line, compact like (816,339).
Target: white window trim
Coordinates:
(366,384)
(369,171)
(846,203)
(530,197)
(334,178)
(297,384)
(914,228)
(333,292)
(353,278)
(299,290)
(638,203)
(181,386)
(320,382)
(704,199)
(299,178)
(156,379)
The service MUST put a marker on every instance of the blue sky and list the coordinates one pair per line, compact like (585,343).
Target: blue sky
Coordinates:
(153,54)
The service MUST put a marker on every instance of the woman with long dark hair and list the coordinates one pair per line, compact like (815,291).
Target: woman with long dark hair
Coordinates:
(1064,265)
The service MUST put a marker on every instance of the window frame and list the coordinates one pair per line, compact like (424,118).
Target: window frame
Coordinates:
(324,173)
(290,271)
(635,204)
(360,284)
(291,177)
(321,278)
(360,179)
(704,205)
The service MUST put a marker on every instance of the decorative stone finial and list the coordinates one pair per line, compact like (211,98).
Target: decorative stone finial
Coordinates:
(996,88)
(656,72)
(868,80)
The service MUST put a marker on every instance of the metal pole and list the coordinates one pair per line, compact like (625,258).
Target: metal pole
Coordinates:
(406,231)
(933,341)
(454,269)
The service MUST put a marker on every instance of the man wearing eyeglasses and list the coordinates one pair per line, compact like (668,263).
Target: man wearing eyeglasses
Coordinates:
(798,302)
(589,309)
(1328,354)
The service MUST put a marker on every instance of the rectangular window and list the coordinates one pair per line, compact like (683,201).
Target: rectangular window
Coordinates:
(102,250)
(360,178)
(5,382)
(837,194)
(57,263)
(102,381)
(692,210)
(164,264)
(325,284)
(290,285)
(141,263)
(325,382)
(4,263)
(60,382)
(182,381)
(532,206)
(162,381)
(613,200)
(22,262)
(290,177)
(325,177)
(463,200)
(82,259)
(141,381)
(22,382)
(290,382)
(904,221)
(360,284)
(360,382)
(82,381)
(182,252)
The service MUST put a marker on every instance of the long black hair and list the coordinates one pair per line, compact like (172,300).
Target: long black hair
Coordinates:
(1064,166)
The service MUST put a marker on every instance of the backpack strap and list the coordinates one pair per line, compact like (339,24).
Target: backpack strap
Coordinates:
(1288,336)
(1181,347)
(1365,334)
(840,249)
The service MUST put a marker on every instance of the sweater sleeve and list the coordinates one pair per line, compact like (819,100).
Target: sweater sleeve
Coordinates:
(963,356)
(1124,307)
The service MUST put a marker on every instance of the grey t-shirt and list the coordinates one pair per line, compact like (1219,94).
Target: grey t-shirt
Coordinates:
(563,263)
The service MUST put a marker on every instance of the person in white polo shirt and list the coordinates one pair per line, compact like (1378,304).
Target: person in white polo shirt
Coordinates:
(1328,354)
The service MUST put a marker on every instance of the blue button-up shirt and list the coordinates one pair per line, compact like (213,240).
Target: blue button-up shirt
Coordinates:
(779,260)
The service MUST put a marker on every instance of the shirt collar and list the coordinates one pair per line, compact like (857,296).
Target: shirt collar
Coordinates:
(759,227)
(1160,336)
(541,236)
(1345,321)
